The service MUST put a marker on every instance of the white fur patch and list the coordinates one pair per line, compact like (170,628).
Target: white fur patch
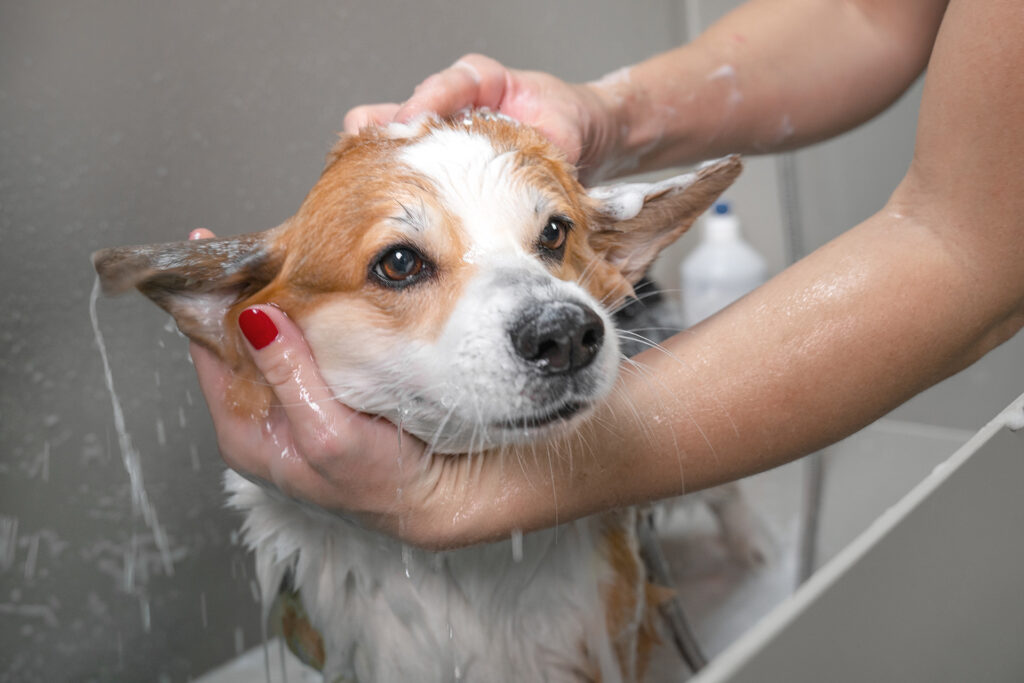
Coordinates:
(478,185)
(392,613)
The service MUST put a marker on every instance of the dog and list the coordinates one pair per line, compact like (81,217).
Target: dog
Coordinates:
(453,277)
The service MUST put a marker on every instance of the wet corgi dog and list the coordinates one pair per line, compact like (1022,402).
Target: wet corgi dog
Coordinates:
(455,278)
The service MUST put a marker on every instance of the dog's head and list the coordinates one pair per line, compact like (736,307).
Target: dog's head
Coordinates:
(452,276)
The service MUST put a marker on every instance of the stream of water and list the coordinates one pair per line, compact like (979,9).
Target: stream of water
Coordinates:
(129,454)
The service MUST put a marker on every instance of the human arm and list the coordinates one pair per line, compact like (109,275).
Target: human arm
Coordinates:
(770,76)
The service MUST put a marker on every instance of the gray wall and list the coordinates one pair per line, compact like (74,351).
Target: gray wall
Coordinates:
(127,123)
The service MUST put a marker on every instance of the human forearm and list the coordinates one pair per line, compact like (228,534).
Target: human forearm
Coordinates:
(770,76)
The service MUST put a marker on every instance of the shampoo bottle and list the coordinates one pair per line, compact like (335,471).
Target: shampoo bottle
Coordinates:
(721,269)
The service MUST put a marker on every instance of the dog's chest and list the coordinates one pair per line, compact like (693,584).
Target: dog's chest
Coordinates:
(389,613)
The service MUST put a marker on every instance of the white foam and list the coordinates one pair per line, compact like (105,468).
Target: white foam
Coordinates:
(1015,419)
(724,71)
(623,201)
(517,545)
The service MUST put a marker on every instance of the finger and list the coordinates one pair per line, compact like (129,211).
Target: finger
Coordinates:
(200,234)
(337,448)
(280,352)
(472,81)
(369,115)
(260,450)
(239,438)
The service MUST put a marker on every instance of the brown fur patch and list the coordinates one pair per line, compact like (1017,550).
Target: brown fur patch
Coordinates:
(288,618)
(626,596)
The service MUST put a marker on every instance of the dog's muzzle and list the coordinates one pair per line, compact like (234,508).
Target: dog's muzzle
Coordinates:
(558,337)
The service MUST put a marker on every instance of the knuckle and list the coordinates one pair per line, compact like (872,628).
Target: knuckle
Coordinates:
(278,369)
(320,448)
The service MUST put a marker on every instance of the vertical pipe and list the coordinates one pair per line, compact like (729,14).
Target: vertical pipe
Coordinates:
(692,17)
(814,467)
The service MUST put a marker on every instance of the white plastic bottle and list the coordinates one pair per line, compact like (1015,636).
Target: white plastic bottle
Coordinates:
(721,269)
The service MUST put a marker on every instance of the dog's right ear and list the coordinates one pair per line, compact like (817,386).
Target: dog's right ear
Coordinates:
(635,221)
(197,281)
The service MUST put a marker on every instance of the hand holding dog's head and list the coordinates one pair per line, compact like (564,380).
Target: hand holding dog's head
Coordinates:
(453,276)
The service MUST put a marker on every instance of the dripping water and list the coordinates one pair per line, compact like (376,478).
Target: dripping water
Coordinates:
(517,545)
(129,454)
(407,560)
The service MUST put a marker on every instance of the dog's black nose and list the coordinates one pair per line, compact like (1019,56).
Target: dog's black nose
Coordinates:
(558,336)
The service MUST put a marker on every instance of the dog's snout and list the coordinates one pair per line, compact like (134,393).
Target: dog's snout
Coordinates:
(558,337)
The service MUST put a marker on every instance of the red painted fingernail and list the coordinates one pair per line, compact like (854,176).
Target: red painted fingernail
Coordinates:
(257,327)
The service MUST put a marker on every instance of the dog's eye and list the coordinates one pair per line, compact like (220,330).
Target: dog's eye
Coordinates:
(399,265)
(553,236)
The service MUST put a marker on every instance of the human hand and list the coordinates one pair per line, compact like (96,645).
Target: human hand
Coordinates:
(578,118)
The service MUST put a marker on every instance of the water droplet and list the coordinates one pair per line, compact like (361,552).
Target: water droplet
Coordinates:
(517,545)
(202,610)
(8,541)
(161,432)
(407,560)
(146,617)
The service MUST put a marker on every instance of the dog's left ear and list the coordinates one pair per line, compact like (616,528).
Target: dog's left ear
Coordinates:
(635,221)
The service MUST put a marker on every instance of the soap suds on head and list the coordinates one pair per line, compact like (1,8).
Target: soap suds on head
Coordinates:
(471,115)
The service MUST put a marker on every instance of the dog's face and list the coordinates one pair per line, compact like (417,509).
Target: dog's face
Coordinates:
(451,276)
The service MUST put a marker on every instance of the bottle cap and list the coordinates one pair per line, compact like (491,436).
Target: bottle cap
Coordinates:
(721,225)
